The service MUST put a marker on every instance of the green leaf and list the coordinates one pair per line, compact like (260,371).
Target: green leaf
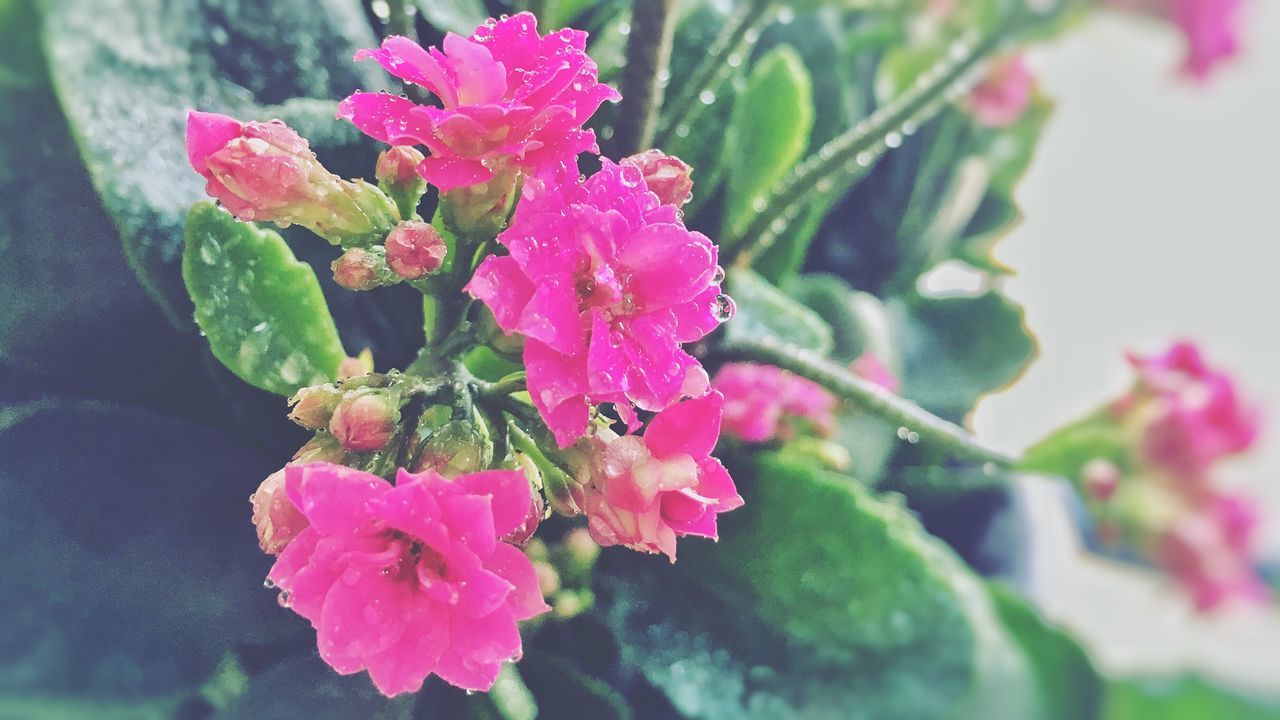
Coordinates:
(261,308)
(766,311)
(819,601)
(1070,688)
(127,71)
(1184,698)
(767,133)
(1067,450)
(456,16)
(957,349)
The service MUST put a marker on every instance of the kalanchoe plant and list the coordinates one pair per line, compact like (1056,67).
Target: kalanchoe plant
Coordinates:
(587,365)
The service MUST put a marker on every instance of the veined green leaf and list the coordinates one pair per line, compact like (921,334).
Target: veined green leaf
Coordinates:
(766,311)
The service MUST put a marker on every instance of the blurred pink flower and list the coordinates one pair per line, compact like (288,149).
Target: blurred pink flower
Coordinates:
(408,580)
(1211,29)
(1209,552)
(1003,95)
(605,283)
(761,402)
(871,368)
(506,94)
(644,492)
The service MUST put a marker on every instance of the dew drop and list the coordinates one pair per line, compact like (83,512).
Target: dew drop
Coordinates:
(717,275)
(269,584)
(624,28)
(864,159)
(893,140)
(734,60)
(759,204)
(381,9)
(706,97)
(723,308)
(682,131)
(285,598)
(903,433)
(913,437)
(786,15)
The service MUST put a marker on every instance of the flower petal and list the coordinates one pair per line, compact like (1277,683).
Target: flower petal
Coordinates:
(691,427)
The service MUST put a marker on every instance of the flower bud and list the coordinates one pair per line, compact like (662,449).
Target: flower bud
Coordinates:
(363,269)
(267,172)
(351,367)
(365,419)
(537,506)
(580,550)
(455,448)
(414,249)
(313,406)
(666,176)
(548,578)
(398,177)
(274,515)
(1001,98)
(1100,478)
(324,447)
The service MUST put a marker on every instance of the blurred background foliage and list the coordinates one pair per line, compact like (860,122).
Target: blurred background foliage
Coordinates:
(126,451)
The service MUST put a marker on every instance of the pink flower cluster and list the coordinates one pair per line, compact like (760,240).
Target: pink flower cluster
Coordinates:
(605,283)
(1188,417)
(1211,29)
(410,579)
(1003,95)
(507,94)
(763,402)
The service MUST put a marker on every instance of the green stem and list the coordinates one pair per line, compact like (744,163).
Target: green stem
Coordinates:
(868,396)
(648,57)
(513,383)
(400,19)
(854,151)
(732,39)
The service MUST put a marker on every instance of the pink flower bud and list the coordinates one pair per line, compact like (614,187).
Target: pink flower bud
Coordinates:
(275,517)
(362,269)
(266,172)
(1100,478)
(361,364)
(398,167)
(870,367)
(365,420)
(415,249)
(313,406)
(666,176)
(1000,99)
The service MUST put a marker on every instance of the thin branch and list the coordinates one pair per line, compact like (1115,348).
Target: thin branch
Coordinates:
(648,58)
(915,422)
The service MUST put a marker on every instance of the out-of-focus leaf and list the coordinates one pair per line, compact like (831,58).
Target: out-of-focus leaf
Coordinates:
(460,17)
(1070,448)
(564,691)
(957,349)
(767,133)
(766,311)
(1070,688)
(131,568)
(305,687)
(127,71)
(820,601)
(261,308)
(1184,698)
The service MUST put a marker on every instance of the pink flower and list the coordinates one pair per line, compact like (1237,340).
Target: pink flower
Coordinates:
(763,402)
(666,176)
(414,249)
(1211,29)
(871,368)
(266,172)
(605,283)
(506,94)
(278,522)
(1209,553)
(365,419)
(1196,416)
(1000,99)
(645,492)
(411,579)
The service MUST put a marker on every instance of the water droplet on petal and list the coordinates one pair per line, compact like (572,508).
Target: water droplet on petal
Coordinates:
(717,275)
(269,584)
(723,308)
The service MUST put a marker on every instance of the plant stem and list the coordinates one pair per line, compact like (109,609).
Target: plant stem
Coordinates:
(855,150)
(400,19)
(868,396)
(648,56)
(730,41)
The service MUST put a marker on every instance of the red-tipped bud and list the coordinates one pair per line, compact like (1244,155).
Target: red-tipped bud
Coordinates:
(666,176)
(313,406)
(274,516)
(363,269)
(415,249)
(1100,478)
(365,420)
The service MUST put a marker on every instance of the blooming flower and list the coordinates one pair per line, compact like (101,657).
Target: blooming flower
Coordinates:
(644,492)
(1209,552)
(266,172)
(605,283)
(764,402)
(414,249)
(1000,99)
(411,579)
(506,94)
(1195,414)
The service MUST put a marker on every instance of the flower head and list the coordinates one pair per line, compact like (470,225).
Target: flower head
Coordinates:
(1000,99)
(764,402)
(507,95)
(605,283)
(644,492)
(1209,552)
(1211,29)
(266,172)
(410,579)
(415,249)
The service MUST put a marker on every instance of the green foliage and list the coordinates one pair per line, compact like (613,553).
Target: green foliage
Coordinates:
(261,309)
(126,84)
(765,311)
(767,133)
(1185,698)
(456,16)
(957,349)
(1070,448)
